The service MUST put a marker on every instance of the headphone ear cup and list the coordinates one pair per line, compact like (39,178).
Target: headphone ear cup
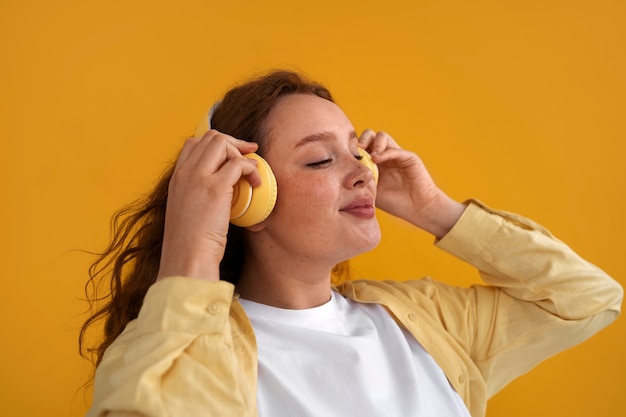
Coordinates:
(366,159)
(252,205)
(242,197)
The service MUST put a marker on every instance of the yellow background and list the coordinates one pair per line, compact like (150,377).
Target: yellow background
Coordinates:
(521,104)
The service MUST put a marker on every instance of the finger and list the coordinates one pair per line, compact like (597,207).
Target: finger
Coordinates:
(187,149)
(382,141)
(244,146)
(391,143)
(376,142)
(253,177)
(400,157)
(366,138)
(211,152)
(235,168)
(195,148)
(193,143)
(219,151)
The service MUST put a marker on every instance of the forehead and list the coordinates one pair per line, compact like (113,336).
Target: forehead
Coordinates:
(299,116)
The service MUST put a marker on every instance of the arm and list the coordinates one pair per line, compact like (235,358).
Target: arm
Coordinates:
(198,204)
(177,357)
(542,297)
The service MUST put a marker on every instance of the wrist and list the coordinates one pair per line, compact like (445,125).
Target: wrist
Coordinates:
(439,217)
(188,266)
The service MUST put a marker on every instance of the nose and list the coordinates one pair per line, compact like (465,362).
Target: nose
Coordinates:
(359,175)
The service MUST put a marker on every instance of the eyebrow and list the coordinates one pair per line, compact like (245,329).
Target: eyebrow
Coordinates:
(320,137)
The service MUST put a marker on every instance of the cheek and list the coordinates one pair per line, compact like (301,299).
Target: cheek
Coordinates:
(305,194)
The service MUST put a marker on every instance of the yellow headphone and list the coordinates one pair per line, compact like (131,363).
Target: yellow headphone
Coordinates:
(366,159)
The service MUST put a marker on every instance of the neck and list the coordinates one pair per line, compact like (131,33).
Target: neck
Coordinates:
(285,286)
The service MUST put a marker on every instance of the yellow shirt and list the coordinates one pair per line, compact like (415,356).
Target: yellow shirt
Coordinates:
(192,351)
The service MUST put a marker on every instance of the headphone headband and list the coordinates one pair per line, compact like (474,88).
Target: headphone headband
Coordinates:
(211,112)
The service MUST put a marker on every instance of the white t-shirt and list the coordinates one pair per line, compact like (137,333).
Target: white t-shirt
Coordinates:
(345,359)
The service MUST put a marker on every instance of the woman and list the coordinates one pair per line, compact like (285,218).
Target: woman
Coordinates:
(210,319)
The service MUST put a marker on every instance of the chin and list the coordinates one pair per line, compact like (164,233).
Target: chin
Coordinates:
(369,241)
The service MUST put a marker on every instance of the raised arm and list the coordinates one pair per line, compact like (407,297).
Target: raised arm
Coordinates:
(177,357)
(540,298)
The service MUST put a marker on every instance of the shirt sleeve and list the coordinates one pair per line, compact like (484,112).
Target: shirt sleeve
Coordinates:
(541,297)
(176,358)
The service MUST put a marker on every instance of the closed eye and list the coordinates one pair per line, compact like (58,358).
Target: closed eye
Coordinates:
(328,161)
(320,164)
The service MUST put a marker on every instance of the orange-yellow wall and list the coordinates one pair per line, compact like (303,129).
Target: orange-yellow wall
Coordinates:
(521,104)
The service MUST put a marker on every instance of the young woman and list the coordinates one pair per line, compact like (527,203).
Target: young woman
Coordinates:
(208,318)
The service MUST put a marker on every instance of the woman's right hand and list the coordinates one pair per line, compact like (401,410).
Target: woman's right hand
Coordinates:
(198,204)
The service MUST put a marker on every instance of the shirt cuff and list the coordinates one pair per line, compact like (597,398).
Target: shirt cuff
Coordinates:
(472,232)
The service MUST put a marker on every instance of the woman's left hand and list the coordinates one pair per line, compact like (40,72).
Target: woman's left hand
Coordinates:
(406,189)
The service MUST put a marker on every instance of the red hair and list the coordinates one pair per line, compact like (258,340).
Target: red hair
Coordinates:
(123,272)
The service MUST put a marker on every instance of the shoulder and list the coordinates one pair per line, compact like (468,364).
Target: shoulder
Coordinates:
(424,292)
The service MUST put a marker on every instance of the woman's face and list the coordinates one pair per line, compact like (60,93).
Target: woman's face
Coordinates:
(325,205)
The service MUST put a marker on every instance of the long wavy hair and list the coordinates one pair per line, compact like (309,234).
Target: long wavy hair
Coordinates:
(121,275)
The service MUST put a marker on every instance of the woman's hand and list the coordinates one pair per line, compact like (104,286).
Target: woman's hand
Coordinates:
(406,189)
(198,204)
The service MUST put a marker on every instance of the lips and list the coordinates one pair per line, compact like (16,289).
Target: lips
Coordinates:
(360,207)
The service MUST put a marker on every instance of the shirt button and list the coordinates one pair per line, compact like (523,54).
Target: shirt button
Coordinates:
(213,309)
(412,316)
(461,379)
